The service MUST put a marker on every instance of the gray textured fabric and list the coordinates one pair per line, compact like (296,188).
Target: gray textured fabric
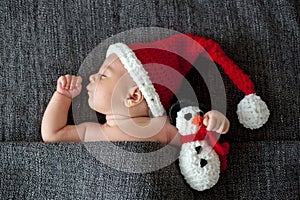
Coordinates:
(41,40)
(68,171)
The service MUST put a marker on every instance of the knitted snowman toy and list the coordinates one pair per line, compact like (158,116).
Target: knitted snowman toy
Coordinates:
(201,157)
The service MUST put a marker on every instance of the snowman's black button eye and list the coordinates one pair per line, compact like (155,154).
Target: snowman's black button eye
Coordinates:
(188,116)
(198,149)
(203,162)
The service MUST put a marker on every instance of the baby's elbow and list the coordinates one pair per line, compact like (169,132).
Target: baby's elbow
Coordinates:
(49,137)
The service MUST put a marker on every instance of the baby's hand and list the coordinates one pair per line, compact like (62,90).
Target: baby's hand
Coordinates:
(216,121)
(69,85)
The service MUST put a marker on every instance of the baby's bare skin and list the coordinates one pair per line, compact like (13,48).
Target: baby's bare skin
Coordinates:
(112,92)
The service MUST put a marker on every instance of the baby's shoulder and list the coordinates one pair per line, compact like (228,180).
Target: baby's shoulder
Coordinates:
(93,132)
(102,132)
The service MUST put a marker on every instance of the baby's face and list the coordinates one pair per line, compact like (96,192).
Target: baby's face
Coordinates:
(109,87)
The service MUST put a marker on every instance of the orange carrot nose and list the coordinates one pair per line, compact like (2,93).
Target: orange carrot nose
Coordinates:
(197,120)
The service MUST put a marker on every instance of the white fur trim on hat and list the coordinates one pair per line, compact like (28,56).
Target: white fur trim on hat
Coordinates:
(252,111)
(139,76)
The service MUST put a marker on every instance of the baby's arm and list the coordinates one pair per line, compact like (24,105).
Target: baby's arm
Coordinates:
(216,121)
(54,123)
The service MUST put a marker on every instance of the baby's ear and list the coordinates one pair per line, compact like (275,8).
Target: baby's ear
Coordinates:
(134,97)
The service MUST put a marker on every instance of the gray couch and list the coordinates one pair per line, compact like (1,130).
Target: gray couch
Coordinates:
(41,40)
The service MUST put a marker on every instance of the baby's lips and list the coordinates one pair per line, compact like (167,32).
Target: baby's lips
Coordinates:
(87,88)
(197,120)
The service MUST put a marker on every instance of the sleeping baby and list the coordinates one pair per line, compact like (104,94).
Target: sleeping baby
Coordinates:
(133,89)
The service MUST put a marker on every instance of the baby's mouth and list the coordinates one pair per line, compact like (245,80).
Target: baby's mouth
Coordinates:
(88,89)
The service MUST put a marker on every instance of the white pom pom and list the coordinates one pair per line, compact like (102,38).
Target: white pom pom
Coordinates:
(252,112)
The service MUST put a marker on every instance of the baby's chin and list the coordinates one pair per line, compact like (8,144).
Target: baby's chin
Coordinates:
(92,106)
(98,108)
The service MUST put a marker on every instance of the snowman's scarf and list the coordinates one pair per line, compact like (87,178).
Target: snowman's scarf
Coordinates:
(221,149)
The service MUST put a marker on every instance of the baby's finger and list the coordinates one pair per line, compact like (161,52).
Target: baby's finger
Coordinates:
(211,124)
(62,81)
(221,127)
(79,81)
(68,83)
(73,82)
(205,119)
(225,127)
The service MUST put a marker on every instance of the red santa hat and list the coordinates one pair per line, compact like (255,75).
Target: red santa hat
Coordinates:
(158,69)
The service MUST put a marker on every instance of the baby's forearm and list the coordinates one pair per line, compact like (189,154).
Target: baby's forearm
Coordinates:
(56,115)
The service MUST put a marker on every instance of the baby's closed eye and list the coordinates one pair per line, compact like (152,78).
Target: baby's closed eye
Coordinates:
(101,76)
